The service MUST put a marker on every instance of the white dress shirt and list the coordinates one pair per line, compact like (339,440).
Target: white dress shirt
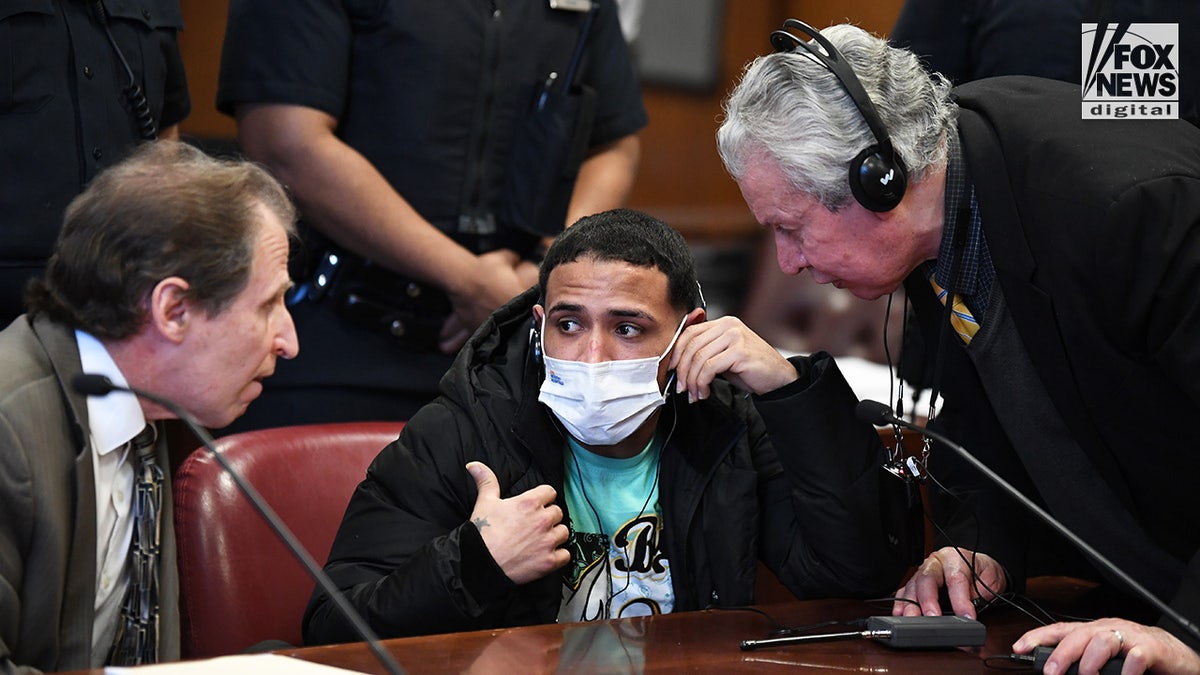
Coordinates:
(113,421)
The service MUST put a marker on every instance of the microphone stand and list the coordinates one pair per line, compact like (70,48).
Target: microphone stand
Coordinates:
(99,385)
(878,414)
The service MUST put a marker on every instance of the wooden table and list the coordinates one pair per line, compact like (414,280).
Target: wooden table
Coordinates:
(707,641)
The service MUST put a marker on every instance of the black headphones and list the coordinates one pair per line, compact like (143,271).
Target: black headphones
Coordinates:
(877,177)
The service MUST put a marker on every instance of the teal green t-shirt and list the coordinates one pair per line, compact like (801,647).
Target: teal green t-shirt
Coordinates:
(618,567)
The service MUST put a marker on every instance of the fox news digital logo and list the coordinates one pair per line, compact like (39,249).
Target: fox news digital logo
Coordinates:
(1132,71)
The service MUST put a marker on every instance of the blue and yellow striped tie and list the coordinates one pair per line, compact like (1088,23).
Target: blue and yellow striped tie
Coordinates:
(961,319)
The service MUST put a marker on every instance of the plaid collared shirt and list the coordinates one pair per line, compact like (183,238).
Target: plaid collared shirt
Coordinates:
(977,274)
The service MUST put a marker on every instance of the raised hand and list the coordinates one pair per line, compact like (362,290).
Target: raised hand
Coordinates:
(727,348)
(524,533)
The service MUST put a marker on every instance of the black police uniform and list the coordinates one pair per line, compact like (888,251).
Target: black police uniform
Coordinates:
(431,93)
(64,114)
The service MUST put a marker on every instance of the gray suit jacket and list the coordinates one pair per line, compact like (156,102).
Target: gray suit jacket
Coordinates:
(48,509)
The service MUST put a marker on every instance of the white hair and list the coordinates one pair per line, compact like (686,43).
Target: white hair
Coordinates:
(791,108)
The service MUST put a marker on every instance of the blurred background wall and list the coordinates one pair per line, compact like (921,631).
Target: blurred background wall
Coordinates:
(691,52)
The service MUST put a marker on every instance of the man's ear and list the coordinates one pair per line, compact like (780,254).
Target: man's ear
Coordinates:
(697,315)
(170,310)
(538,313)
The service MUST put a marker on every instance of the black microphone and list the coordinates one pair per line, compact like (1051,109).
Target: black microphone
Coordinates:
(874,412)
(90,384)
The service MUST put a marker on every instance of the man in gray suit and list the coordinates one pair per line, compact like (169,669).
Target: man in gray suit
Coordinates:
(168,275)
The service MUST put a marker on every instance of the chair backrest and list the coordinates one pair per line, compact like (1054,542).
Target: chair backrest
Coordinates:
(239,585)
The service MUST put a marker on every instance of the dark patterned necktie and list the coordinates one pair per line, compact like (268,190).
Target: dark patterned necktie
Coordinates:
(136,641)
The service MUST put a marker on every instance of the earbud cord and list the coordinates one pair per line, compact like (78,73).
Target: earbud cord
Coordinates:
(641,512)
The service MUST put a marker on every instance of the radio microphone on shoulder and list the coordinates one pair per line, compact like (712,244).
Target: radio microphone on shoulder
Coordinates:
(90,384)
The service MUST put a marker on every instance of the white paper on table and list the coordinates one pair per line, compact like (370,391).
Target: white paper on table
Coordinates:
(258,664)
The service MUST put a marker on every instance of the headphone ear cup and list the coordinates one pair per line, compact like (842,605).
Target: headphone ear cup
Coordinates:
(875,181)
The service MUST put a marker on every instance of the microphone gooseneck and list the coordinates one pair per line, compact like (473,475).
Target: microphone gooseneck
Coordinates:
(879,414)
(91,384)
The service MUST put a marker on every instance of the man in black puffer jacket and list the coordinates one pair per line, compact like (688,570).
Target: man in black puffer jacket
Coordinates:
(560,477)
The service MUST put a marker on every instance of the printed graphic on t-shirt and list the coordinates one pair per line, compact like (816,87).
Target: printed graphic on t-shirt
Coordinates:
(635,580)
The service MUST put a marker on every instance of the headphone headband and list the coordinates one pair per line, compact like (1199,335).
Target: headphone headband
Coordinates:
(784,41)
(877,176)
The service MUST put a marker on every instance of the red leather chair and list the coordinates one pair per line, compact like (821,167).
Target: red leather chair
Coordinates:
(239,585)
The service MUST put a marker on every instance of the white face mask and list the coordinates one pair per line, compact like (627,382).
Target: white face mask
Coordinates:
(603,403)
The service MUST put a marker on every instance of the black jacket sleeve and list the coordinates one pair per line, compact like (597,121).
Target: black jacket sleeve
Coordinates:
(834,521)
(406,555)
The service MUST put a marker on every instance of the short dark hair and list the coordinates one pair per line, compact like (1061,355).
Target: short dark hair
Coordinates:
(629,236)
(166,210)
